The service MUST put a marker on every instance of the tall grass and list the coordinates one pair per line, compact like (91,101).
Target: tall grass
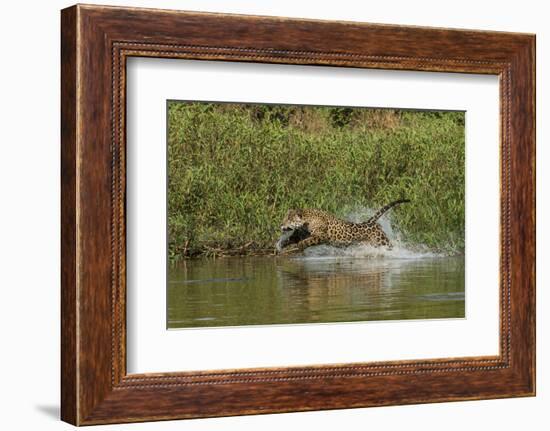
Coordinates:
(235,169)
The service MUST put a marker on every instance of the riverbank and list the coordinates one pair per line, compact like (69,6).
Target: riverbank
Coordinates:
(235,170)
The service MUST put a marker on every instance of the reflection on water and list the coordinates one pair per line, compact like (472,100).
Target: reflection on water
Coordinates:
(281,290)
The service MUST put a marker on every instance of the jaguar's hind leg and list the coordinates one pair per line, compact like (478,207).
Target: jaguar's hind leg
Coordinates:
(381,239)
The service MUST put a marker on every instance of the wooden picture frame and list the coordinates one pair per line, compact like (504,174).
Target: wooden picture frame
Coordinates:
(95,43)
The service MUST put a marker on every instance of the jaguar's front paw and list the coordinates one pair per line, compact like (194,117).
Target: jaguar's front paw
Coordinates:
(289,250)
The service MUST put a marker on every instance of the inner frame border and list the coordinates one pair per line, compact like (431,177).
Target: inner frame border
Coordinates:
(121,50)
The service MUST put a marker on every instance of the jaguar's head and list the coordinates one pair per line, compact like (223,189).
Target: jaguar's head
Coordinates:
(293,220)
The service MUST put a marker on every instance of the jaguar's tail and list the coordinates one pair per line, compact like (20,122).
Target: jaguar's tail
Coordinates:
(385,209)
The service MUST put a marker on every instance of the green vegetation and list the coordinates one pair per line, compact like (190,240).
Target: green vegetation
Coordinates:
(234,170)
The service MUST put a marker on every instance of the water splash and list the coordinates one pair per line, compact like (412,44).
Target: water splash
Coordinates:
(398,251)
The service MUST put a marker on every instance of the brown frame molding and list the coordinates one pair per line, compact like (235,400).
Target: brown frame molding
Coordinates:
(95,43)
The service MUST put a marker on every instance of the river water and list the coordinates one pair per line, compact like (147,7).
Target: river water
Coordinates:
(238,291)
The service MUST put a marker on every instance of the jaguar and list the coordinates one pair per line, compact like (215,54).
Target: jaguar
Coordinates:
(302,228)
